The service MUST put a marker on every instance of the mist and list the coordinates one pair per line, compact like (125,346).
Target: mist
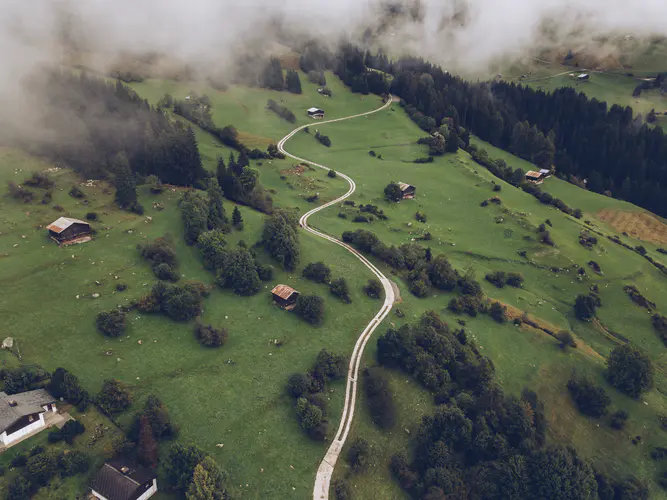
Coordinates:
(472,37)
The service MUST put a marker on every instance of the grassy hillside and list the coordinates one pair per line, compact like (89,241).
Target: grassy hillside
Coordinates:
(449,192)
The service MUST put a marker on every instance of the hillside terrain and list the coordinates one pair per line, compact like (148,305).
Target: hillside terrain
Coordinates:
(231,402)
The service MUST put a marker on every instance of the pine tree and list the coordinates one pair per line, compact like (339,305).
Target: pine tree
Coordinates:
(237,218)
(126,189)
(293,82)
(221,171)
(272,76)
(147,448)
(243,161)
(216,211)
(208,482)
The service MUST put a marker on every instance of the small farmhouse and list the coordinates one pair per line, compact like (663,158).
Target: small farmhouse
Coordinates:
(407,191)
(24,414)
(122,479)
(67,231)
(583,77)
(316,113)
(534,177)
(285,296)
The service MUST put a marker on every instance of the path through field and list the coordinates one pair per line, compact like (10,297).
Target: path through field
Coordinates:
(326,468)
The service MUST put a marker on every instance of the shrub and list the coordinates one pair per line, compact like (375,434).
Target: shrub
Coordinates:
(515,280)
(566,339)
(40,180)
(310,308)
(342,490)
(311,419)
(121,287)
(47,198)
(590,399)
(281,111)
(180,302)
(373,289)
(209,336)
(496,188)
(467,304)
(91,216)
(265,272)
(420,217)
(630,370)
(165,272)
(73,462)
(160,250)
(69,431)
(299,384)
(318,272)
(379,398)
(19,460)
(111,323)
(498,312)
(360,218)
(19,193)
(660,325)
(498,278)
(329,366)
(323,139)
(114,397)
(392,192)
(331,173)
(358,455)
(339,288)
(76,192)
(619,419)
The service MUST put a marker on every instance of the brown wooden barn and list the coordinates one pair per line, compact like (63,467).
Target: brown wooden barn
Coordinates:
(67,231)
(407,191)
(285,296)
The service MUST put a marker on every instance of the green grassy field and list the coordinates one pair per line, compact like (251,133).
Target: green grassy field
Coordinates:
(234,395)
(449,192)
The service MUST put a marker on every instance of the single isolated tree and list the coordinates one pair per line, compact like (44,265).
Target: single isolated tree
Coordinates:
(237,218)
(126,188)
(208,482)
(393,192)
(630,370)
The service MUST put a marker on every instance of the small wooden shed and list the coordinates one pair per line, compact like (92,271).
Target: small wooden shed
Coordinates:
(534,177)
(285,296)
(67,231)
(407,191)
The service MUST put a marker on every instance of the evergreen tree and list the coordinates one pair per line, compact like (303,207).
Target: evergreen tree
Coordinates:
(208,482)
(293,82)
(237,218)
(147,447)
(221,171)
(126,189)
(242,162)
(216,212)
(195,214)
(272,76)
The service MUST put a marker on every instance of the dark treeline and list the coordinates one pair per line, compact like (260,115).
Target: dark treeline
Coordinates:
(581,136)
(480,443)
(92,123)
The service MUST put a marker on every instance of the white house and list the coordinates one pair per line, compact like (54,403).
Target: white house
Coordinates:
(122,479)
(316,113)
(23,413)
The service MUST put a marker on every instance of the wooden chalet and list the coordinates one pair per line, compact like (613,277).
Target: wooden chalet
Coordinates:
(24,414)
(67,231)
(123,479)
(407,191)
(316,113)
(285,296)
(534,177)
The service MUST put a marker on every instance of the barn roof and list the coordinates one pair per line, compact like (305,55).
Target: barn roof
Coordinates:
(63,223)
(315,110)
(533,174)
(119,479)
(27,403)
(404,186)
(283,291)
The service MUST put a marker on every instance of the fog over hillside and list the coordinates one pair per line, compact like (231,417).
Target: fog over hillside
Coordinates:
(462,35)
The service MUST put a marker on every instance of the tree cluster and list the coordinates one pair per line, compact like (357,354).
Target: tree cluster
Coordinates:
(110,128)
(660,326)
(281,239)
(66,386)
(308,391)
(310,308)
(590,399)
(111,323)
(630,370)
(240,182)
(23,378)
(190,472)
(373,289)
(161,254)
(114,397)
(179,301)
(323,139)
(208,336)
(501,278)
(585,306)
(292,82)
(40,467)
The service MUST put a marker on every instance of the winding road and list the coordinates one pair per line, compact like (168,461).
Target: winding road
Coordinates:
(326,468)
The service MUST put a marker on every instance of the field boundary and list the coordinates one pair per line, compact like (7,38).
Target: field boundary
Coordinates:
(326,467)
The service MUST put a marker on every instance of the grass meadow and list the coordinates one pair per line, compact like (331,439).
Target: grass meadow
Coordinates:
(234,395)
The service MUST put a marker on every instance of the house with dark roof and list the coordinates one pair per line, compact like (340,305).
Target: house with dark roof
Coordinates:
(67,231)
(122,479)
(407,191)
(24,414)
(316,113)
(285,296)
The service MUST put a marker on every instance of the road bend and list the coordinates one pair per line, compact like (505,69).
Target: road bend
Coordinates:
(326,468)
